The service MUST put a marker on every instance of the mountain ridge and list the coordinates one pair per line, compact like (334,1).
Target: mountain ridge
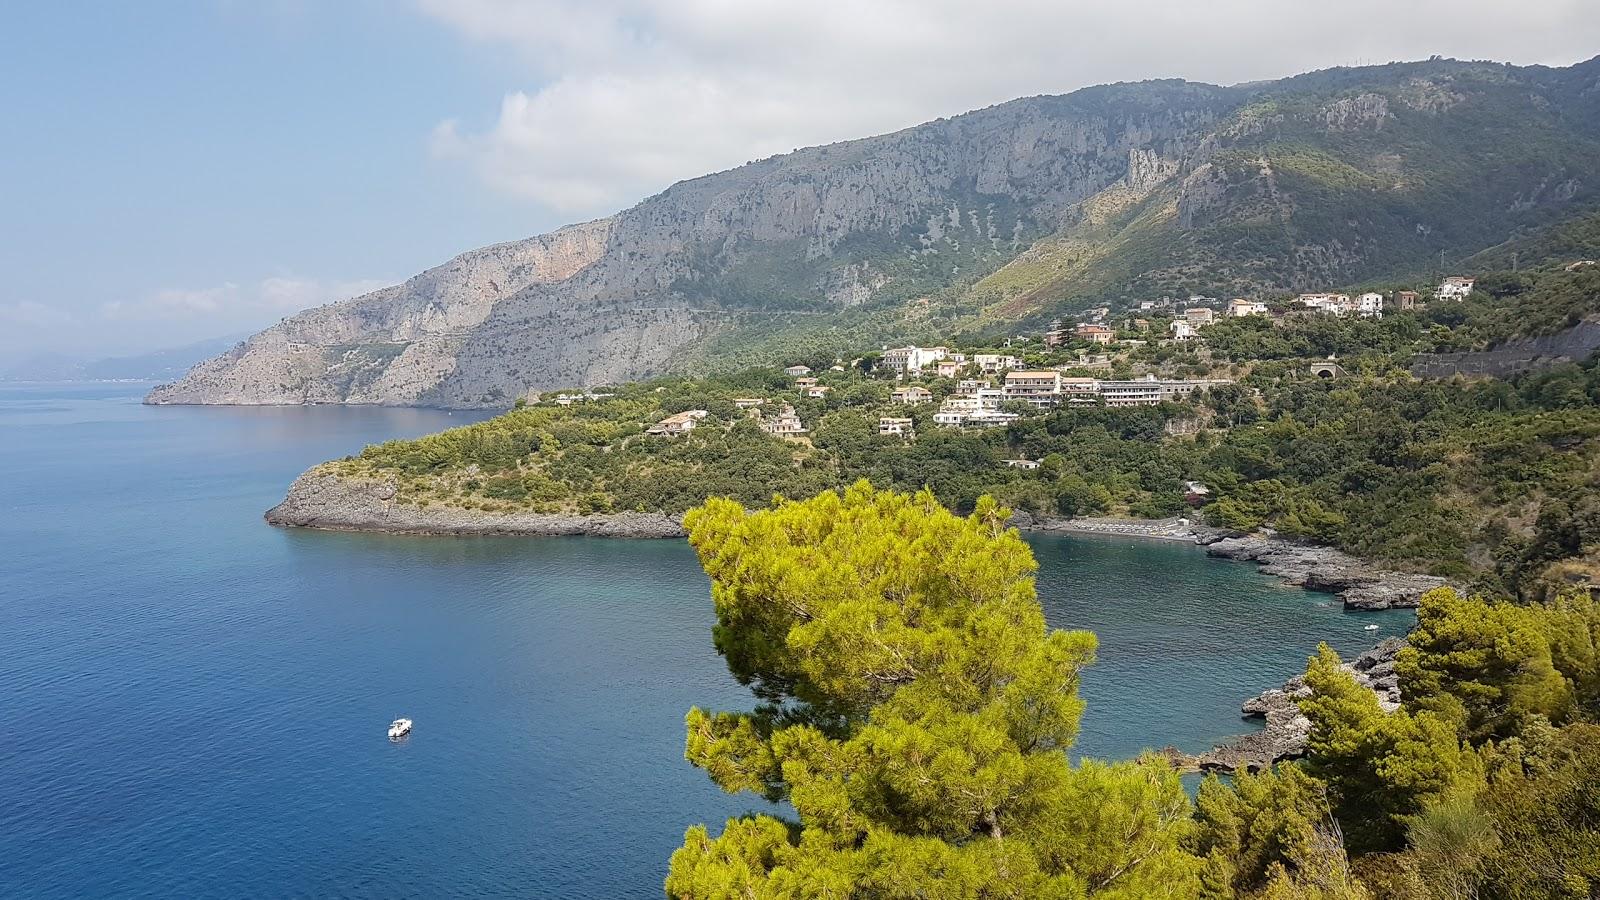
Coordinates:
(1009,213)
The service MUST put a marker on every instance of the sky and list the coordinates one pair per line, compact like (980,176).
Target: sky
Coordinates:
(178,170)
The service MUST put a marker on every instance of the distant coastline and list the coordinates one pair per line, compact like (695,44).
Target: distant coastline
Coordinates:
(326,501)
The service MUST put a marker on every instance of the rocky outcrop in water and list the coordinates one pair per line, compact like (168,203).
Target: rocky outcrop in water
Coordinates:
(1360,584)
(320,499)
(1284,734)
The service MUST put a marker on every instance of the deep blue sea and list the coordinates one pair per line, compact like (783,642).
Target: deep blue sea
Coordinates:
(193,703)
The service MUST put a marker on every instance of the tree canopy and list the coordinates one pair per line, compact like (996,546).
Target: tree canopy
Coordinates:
(916,713)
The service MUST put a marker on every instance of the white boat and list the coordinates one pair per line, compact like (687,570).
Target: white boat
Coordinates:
(1369,628)
(399,728)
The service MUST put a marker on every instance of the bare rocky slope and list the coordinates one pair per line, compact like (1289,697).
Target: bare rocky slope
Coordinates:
(1050,201)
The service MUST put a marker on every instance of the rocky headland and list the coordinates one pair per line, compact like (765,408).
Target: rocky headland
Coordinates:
(1286,730)
(324,500)
(1359,583)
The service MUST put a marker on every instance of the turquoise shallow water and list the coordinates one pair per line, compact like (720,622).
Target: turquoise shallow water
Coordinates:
(192,703)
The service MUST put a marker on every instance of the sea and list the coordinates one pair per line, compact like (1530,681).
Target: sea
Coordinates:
(194,703)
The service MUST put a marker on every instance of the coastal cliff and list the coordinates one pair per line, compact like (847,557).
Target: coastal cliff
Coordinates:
(323,500)
(1025,210)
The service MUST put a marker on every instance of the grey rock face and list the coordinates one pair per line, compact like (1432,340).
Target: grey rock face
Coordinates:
(322,500)
(620,298)
(1360,584)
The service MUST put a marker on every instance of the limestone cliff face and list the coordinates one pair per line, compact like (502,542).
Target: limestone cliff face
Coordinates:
(820,229)
(1159,187)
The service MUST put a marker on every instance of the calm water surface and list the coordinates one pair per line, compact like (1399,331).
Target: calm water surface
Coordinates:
(192,703)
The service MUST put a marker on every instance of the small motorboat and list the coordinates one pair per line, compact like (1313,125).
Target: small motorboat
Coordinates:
(399,728)
(1368,628)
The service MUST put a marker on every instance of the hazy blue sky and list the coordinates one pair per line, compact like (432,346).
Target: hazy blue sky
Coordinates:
(180,169)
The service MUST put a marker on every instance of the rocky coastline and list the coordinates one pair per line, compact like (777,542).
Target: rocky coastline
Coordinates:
(1360,584)
(329,502)
(1286,728)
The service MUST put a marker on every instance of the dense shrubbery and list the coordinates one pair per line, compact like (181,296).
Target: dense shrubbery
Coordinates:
(1485,784)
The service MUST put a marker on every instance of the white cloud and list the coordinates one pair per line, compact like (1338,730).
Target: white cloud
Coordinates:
(627,96)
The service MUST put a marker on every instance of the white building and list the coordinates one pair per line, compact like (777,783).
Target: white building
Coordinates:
(911,360)
(1335,304)
(1456,287)
(1370,305)
(1238,308)
(1042,388)
(797,371)
(1022,463)
(896,427)
(1181,330)
(678,423)
(912,395)
(995,363)
(785,424)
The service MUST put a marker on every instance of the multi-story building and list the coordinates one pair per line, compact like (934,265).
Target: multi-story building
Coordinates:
(911,395)
(796,371)
(1199,316)
(995,363)
(1181,330)
(1042,388)
(785,424)
(1370,305)
(1097,334)
(896,427)
(1406,300)
(912,360)
(1239,308)
(1456,287)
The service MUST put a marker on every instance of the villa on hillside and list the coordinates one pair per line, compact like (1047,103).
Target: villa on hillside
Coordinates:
(804,383)
(786,424)
(948,368)
(1022,463)
(1406,300)
(1456,287)
(1370,305)
(818,391)
(995,363)
(911,395)
(748,402)
(796,371)
(678,423)
(1096,334)
(1238,308)
(1181,330)
(897,427)
(1333,304)
(912,360)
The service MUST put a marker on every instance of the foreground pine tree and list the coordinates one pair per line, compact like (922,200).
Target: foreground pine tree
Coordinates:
(916,713)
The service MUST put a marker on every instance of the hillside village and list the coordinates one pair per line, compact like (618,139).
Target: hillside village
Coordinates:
(1070,364)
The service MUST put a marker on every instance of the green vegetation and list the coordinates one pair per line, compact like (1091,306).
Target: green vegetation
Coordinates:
(1485,784)
(915,713)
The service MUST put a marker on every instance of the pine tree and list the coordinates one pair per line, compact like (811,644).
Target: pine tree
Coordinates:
(916,712)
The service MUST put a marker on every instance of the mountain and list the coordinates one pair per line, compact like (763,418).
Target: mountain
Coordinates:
(156,365)
(1004,215)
